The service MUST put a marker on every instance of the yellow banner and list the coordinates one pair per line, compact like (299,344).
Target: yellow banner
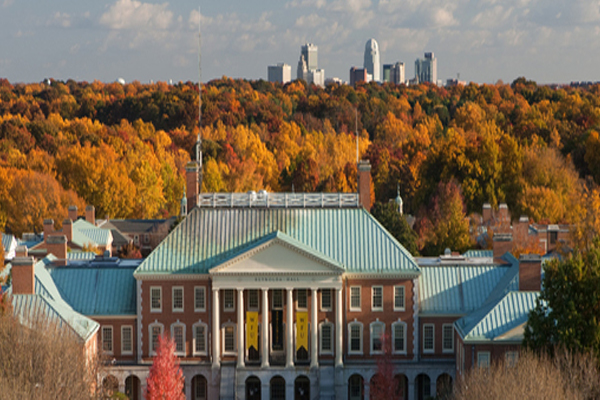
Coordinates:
(252,329)
(301,330)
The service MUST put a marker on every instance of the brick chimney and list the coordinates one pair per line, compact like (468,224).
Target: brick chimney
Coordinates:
(503,243)
(90,214)
(364,184)
(21,251)
(192,189)
(486,213)
(57,245)
(503,215)
(67,229)
(530,272)
(23,275)
(73,213)
(48,227)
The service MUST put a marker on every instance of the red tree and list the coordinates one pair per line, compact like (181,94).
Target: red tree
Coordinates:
(384,386)
(165,380)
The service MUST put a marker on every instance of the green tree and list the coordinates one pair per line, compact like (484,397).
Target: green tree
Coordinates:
(387,214)
(568,310)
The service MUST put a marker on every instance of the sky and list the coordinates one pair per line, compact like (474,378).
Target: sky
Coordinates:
(484,41)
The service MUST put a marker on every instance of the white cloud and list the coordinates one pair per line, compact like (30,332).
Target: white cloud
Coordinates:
(133,14)
(62,20)
(310,21)
(306,3)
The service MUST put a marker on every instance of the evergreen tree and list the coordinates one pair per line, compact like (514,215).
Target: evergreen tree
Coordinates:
(388,216)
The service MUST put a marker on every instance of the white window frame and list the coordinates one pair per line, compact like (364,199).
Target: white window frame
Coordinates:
(360,325)
(444,338)
(331,338)
(402,289)
(173,290)
(196,326)
(225,293)
(151,350)
(223,329)
(373,290)
(174,325)
(152,308)
(106,328)
(372,336)
(252,292)
(124,351)
(481,356)
(432,349)
(298,306)
(404,337)
(351,306)
(511,358)
(330,295)
(274,305)
(201,289)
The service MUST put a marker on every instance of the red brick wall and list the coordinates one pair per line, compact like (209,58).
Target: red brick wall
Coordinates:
(116,324)
(438,323)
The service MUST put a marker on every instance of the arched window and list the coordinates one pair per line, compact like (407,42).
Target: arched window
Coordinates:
(253,388)
(355,387)
(376,332)
(326,338)
(355,337)
(277,388)
(399,337)
(423,387)
(155,329)
(178,335)
(199,388)
(200,331)
(229,342)
(132,387)
(302,388)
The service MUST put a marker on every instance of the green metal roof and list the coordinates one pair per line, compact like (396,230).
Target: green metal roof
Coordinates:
(479,253)
(81,255)
(97,291)
(85,233)
(349,236)
(47,303)
(494,320)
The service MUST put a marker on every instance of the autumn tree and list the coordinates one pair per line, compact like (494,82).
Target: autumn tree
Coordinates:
(165,379)
(384,385)
(130,250)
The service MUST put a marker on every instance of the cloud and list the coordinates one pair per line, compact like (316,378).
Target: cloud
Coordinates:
(132,14)
(307,3)
(310,21)
(61,20)
(7,3)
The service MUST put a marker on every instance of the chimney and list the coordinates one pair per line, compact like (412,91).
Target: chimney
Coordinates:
(192,190)
(73,213)
(90,214)
(364,184)
(68,229)
(48,227)
(530,272)
(486,214)
(23,275)
(502,244)
(21,251)
(57,245)
(503,214)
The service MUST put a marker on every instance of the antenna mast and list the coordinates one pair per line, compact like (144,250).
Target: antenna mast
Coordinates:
(199,138)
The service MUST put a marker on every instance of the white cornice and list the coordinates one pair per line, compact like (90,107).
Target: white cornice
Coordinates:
(382,275)
(172,277)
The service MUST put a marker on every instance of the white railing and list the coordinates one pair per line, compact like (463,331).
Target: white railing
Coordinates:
(278,200)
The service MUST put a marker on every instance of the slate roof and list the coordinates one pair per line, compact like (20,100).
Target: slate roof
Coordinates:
(48,302)
(135,225)
(349,236)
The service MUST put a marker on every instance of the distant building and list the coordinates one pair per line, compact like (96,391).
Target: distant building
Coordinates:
(281,73)
(455,82)
(358,75)
(372,60)
(310,51)
(386,72)
(307,66)
(426,69)
(397,73)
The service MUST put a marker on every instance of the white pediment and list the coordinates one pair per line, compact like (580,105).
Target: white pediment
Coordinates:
(278,257)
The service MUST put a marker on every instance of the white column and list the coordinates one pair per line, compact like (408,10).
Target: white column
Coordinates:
(216,352)
(289,329)
(314,344)
(240,329)
(338,328)
(265,329)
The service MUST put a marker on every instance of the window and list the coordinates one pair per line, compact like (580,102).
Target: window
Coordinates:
(200,298)
(229,338)
(377,298)
(199,339)
(177,299)
(277,299)
(326,338)
(253,299)
(447,338)
(301,297)
(483,359)
(511,358)
(178,335)
(553,237)
(355,332)
(228,302)
(107,339)
(354,298)
(326,299)
(127,340)
(399,298)
(428,338)
(377,330)
(146,238)
(399,337)
(155,330)
(155,299)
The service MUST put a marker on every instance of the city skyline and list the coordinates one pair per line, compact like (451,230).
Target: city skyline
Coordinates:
(483,41)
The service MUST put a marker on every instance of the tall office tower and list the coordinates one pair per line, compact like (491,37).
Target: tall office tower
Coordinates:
(386,72)
(309,51)
(358,75)
(426,69)
(372,63)
(281,73)
(397,73)
(302,70)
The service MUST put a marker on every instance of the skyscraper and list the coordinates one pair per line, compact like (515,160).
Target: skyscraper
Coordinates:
(397,73)
(281,73)
(308,69)
(309,51)
(372,63)
(426,69)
